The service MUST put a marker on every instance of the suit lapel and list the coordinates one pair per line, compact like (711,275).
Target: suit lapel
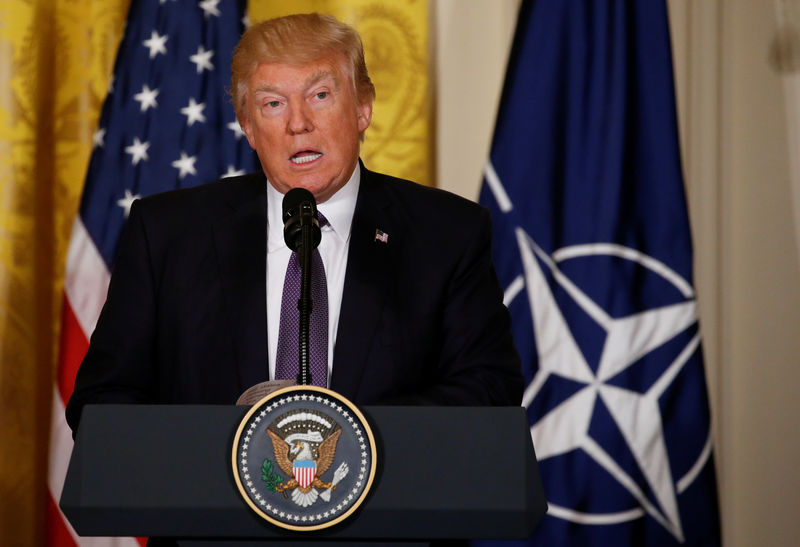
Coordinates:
(368,277)
(240,238)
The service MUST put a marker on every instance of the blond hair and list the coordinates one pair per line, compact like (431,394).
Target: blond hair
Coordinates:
(298,39)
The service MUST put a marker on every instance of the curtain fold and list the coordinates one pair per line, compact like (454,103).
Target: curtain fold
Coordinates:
(55,61)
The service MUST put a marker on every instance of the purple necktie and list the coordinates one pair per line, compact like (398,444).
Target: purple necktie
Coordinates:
(287,360)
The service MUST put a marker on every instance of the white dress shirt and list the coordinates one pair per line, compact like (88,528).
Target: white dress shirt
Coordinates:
(333,250)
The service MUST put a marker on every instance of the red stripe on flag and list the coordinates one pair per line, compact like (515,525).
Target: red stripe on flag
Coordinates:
(57,533)
(72,349)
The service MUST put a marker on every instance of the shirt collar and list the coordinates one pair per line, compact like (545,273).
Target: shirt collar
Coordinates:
(339,210)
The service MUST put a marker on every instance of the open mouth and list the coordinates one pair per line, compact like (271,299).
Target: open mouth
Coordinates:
(305,156)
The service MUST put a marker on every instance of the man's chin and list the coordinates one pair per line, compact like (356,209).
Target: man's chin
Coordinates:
(322,190)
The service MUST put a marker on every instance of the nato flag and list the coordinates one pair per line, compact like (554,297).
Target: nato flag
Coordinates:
(592,246)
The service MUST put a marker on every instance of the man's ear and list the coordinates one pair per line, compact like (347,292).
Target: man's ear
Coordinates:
(364,116)
(244,123)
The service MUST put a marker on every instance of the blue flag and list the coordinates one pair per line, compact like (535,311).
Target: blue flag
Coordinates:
(592,246)
(167,122)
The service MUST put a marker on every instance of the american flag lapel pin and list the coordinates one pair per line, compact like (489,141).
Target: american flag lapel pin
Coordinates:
(381,236)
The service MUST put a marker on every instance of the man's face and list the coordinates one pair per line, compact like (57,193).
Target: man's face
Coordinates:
(304,122)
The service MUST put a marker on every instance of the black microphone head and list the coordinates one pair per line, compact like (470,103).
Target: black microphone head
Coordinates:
(299,210)
(293,199)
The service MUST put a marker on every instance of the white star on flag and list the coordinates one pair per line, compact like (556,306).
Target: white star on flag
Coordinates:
(98,138)
(209,7)
(127,201)
(138,150)
(236,128)
(156,44)
(185,165)
(202,59)
(146,98)
(233,172)
(193,112)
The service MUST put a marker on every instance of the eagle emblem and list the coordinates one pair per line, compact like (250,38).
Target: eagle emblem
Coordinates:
(304,458)
(304,446)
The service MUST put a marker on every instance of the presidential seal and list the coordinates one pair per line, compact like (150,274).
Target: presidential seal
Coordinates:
(304,458)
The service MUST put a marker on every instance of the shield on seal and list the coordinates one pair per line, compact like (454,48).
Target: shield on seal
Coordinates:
(304,471)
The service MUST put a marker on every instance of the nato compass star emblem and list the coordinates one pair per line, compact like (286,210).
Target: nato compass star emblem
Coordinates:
(610,412)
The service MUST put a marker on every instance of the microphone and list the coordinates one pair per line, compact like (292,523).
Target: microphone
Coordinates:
(299,211)
(302,235)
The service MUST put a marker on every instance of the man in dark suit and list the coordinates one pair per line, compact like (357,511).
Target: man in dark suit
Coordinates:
(415,314)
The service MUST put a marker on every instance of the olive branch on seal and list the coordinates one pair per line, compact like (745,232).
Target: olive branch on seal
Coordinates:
(271,479)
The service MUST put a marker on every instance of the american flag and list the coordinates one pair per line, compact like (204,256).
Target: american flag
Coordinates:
(167,123)
(381,236)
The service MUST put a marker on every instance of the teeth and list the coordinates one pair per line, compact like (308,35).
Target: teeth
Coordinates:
(305,159)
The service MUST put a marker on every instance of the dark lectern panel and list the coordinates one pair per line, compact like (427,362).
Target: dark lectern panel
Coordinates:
(166,471)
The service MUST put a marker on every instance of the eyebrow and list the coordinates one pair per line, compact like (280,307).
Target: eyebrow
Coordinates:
(310,81)
(321,75)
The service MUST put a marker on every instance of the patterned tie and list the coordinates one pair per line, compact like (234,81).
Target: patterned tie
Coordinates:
(287,360)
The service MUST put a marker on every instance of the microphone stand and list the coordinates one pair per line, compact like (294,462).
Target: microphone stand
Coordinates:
(305,304)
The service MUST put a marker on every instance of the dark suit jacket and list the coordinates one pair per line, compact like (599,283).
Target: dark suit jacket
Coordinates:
(421,322)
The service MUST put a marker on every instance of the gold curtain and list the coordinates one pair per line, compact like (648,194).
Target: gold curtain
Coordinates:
(56,58)
(400,140)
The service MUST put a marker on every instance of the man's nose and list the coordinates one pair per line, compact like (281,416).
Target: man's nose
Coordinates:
(300,119)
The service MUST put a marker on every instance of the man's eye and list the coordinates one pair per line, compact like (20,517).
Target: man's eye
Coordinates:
(273,104)
(322,94)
